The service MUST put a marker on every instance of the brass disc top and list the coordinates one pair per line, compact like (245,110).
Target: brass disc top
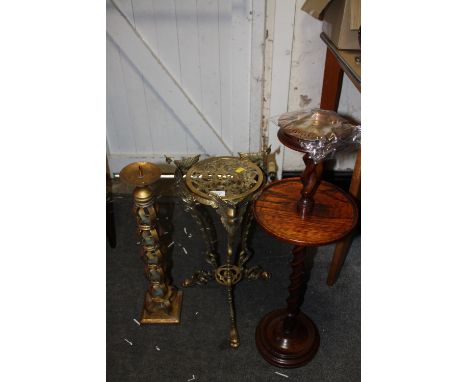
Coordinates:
(140,174)
(320,132)
(230,178)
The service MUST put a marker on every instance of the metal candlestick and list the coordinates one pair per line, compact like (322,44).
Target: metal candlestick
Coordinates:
(163,302)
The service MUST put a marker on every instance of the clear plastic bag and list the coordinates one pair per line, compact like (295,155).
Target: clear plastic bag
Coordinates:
(321,133)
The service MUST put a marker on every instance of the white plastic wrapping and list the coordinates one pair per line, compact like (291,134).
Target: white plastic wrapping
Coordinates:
(321,133)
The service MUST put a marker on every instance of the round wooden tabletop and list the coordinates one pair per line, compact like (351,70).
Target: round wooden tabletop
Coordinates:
(334,215)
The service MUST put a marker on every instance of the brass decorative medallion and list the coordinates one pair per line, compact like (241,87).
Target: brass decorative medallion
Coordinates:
(228,274)
(230,178)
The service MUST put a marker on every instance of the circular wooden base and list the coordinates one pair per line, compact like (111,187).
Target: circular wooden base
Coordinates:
(287,351)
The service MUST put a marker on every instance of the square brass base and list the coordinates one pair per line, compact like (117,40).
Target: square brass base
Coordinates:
(161,317)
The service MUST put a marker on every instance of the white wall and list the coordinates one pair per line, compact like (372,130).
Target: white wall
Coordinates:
(306,56)
(212,52)
(183,78)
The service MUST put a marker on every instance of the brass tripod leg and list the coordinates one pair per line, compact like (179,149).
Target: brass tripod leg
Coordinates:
(229,274)
(209,234)
(255,272)
(233,223)
(233,334)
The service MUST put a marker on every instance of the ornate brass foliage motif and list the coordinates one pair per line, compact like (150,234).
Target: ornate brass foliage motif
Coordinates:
(230,178)
(228,274)
(259,158)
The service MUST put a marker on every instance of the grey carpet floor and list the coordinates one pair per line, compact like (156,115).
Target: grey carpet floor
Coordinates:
(198,346)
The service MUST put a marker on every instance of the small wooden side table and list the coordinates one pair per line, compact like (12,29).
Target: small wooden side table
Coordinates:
(287,337)
(338,62)
(305,212)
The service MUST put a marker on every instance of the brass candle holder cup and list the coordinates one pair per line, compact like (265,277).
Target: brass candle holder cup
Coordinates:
(162,304)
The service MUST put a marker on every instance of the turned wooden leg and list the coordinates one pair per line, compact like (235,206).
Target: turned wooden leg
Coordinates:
(332,80)
(331,90)
(310,181)
(339,256)
(110,223)
(342,247)
(287,337)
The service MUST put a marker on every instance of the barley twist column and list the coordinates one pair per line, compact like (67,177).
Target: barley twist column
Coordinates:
(310,181)
(296,288)
(288,337)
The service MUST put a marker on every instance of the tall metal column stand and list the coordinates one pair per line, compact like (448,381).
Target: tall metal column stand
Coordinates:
(163,302)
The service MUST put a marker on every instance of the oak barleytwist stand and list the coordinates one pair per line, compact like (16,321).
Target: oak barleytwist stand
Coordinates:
(307,213)
(162,301)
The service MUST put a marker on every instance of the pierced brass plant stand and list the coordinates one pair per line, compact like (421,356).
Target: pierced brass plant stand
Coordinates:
(162,301)
(229,185)
(201,217)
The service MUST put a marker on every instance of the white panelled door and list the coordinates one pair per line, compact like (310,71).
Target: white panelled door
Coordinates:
(184,77)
